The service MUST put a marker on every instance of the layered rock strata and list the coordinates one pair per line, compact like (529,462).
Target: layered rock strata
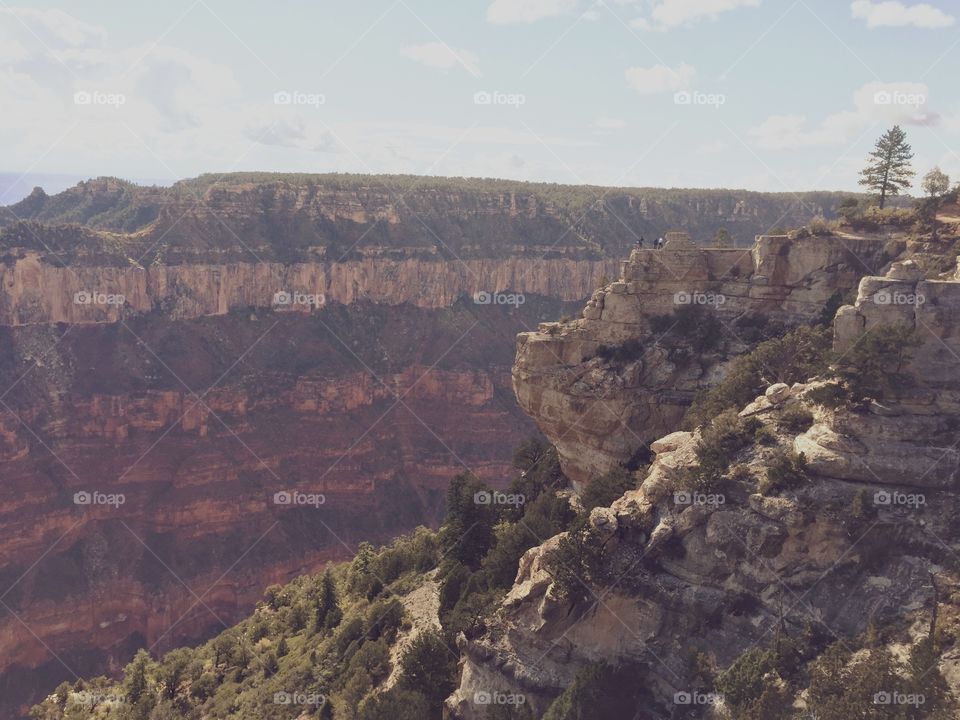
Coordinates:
(721,577)
(599,413)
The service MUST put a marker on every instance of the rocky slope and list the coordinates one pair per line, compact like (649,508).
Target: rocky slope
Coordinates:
(863,533)
(599,412)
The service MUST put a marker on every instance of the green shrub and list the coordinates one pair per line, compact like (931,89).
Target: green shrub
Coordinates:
(875,365)
(384,619)
(829,395)
(690,325)
(429,667)
(785,470)
(843,686)
(467,532)
(764,436)
(372,658)
(394,704)
(720,441)
(743,682)
(602,491)
(577,563)
(539,465)
(799,355)
(600,691)
(795,418)
(626,352)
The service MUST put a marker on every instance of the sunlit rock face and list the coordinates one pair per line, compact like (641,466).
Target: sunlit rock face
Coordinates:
(864,538)
(599,413)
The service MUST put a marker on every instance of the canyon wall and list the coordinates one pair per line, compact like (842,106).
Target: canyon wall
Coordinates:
(197,392)
(35,290)
(864,536)
(246,217)
(599,412)
(198,424)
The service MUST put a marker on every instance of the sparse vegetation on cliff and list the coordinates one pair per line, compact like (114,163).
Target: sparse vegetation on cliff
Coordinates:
(799,355)
(326,645)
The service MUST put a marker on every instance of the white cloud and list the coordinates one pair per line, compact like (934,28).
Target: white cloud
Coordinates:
(895,14)
(667,14)
(610,123)
(527,11)
(660,78)
(440,55)
(886,104)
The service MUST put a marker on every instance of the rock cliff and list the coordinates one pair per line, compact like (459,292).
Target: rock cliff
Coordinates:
(860,529)
(600,412)
(34,289)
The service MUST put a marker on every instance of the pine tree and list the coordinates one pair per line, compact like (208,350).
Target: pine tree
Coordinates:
(136,676)
(328,606)
(889,170)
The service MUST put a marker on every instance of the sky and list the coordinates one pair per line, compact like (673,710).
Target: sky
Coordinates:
(778,95)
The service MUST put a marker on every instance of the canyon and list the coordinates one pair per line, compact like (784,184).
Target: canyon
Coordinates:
(154,350)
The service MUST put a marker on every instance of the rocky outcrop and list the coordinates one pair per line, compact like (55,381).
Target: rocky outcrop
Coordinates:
(857,541)
(599,413)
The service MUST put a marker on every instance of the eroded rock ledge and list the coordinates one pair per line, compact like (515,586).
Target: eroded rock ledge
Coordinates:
(597,413)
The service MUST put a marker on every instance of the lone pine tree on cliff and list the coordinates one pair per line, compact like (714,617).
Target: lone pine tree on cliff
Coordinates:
(889,170)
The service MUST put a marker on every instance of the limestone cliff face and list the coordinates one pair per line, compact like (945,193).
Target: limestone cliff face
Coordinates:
(599,413)
(718,577)
(33,290)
